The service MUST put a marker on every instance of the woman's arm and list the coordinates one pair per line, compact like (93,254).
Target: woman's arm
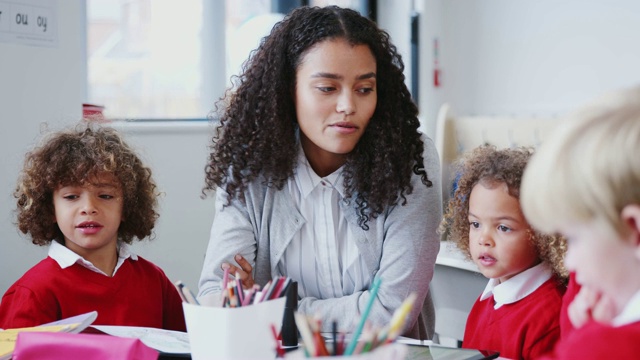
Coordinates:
(232,233)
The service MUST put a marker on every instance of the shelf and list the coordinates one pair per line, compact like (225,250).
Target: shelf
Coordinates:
(449,255)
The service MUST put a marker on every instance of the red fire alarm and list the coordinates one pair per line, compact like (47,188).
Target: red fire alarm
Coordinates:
(436,65)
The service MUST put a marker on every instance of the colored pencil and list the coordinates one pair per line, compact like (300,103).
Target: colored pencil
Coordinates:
(373,293)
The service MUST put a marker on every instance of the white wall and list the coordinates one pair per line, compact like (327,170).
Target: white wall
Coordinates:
(542,57)
(177,154)
(431,27)
(395,18)
(37,85)
(46,85)
(524,58)
(509,57)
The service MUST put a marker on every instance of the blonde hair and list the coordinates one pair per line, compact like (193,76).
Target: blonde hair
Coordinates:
(488,165)
(588,170)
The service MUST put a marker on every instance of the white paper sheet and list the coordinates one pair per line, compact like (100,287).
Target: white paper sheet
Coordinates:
(387,352)
(165,341)
(83,321)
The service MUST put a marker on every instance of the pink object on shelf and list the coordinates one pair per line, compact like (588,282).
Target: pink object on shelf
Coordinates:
(93,112)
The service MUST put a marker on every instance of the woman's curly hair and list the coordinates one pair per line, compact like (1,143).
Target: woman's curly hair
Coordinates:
(258,125)
(75,157)
(488,165)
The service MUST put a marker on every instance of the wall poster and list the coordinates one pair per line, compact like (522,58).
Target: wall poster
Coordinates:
(29,22)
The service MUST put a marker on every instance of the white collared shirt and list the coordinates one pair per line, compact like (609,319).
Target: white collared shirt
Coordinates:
(65,257)
(517,287)
(322,257)
(630,313)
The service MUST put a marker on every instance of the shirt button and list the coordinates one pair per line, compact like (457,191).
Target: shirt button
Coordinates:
(323,184)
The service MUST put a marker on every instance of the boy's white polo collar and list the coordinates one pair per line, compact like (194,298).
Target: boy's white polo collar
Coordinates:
(518,287)
(630,313)
(65,257)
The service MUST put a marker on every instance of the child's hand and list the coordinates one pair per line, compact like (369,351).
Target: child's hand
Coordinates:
(591,305)
(243,269)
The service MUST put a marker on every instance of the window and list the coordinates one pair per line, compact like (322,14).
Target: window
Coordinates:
(167,59)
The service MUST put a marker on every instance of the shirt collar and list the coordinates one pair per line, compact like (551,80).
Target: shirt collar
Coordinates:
(66,258)
(630,313)
(307,179)
(517,287)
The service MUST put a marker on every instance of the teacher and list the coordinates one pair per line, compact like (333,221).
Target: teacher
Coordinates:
(322,175)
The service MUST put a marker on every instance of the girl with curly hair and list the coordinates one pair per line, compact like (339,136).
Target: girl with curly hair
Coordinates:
(518,313)
(87,194)
(322,175)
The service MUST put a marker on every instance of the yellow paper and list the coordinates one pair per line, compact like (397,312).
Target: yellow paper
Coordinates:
(8,337)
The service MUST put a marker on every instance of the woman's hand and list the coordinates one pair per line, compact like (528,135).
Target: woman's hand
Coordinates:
(591,305)
(243,269)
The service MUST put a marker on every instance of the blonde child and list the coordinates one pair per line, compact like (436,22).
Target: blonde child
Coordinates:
(585,184)
(518,312)
(86,193)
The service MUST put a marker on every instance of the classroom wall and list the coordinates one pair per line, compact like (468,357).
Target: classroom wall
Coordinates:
(517,57)
(177,154)
(523,58)
(510,57)
(394,17)
(430,97)
(542,57)
(41,85)
(37,85)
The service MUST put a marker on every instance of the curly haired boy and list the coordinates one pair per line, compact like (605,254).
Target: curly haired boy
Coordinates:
(86,194)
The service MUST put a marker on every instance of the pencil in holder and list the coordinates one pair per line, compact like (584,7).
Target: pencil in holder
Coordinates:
(289,333)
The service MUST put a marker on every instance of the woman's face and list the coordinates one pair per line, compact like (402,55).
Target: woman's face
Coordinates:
(335,98)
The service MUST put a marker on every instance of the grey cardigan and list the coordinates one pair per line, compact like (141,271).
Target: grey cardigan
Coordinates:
(400,247)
